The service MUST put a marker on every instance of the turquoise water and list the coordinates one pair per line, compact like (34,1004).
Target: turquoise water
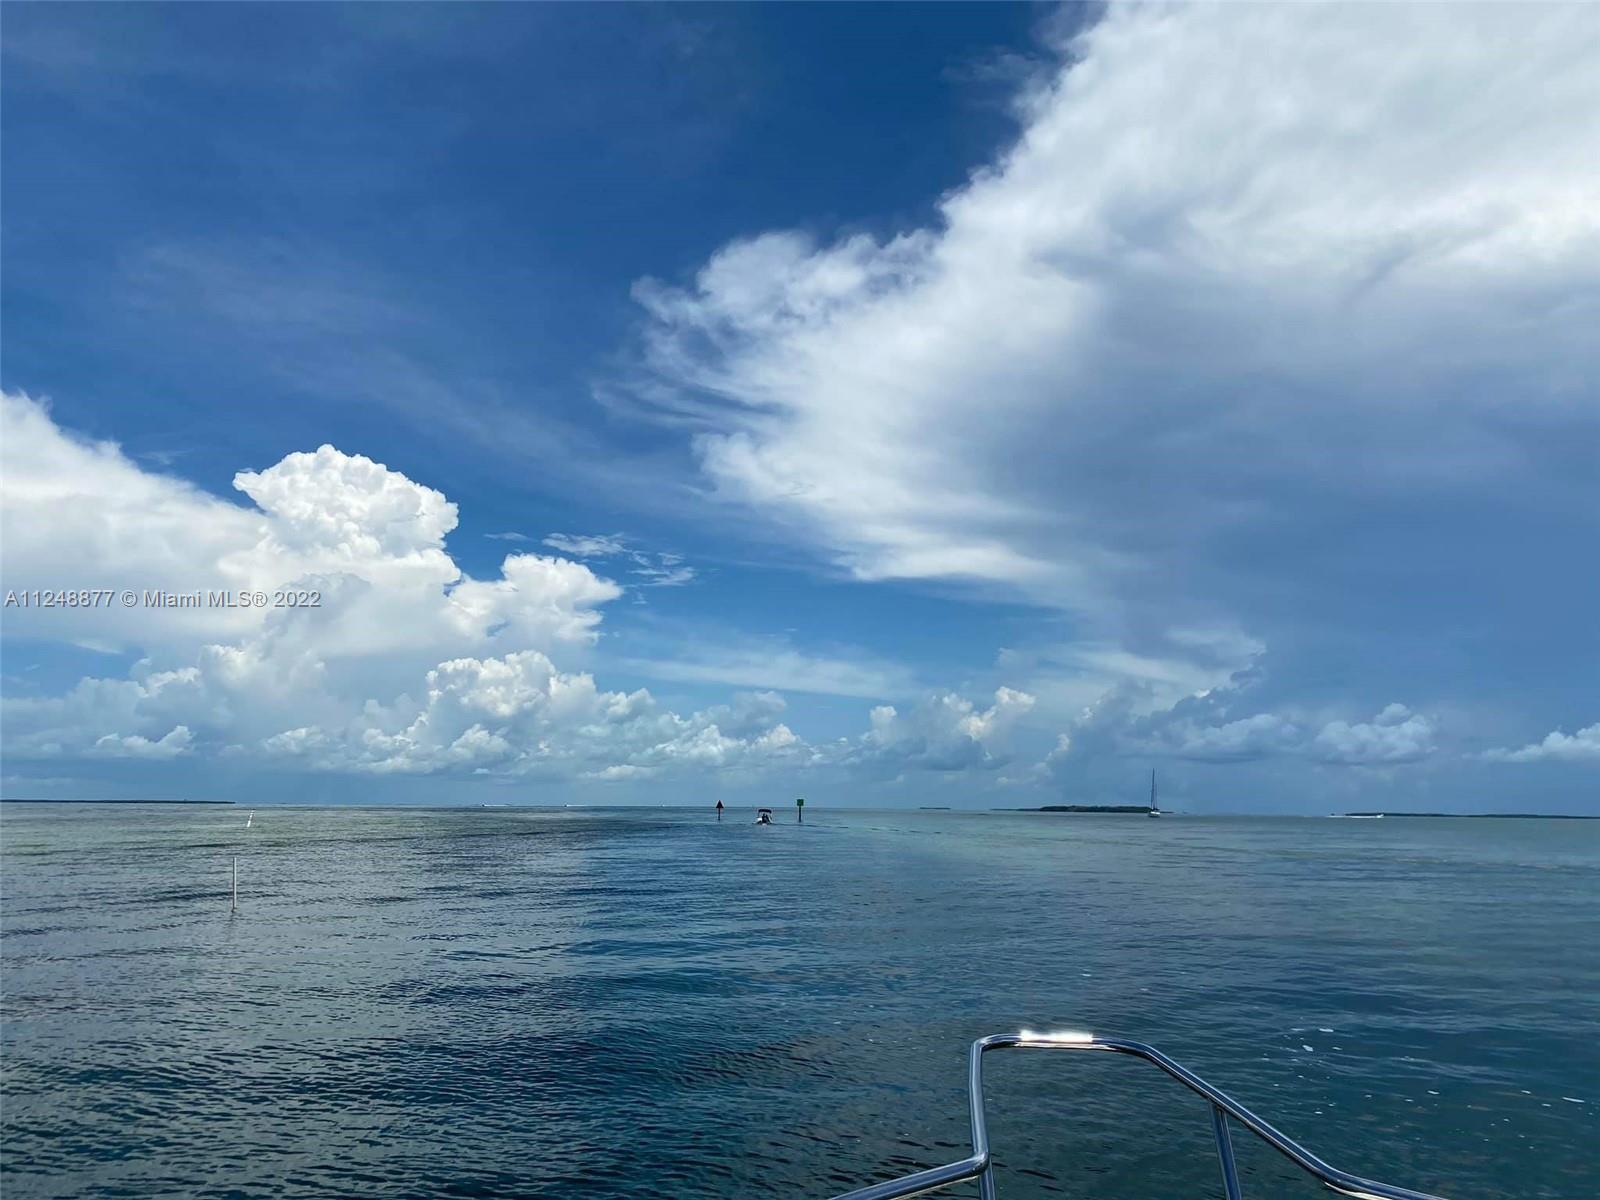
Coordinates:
(519,1002)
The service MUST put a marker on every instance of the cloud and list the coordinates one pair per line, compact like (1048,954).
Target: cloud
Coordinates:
(1583,746)
(770,663)
(944,733)
(99,716)
(368,541)
(340,509)
(363,542)
(1259,346)
(648,570)
(172,745)
(1258,736)
(74,506)
(618,772)
(602,545)
(662,575)
(406,665)
(1102,677)
(509,537)
(1206,726)
(1396,735)
(521,716)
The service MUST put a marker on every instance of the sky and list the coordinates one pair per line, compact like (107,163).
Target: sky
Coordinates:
(970,405)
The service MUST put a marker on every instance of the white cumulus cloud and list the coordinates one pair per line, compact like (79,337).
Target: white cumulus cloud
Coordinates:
(520,715)
(946,732)
(364,541)
(133,745)
(1583,746)
(1396,735)
(405,666)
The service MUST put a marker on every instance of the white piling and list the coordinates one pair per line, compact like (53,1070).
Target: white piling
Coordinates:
(236,885)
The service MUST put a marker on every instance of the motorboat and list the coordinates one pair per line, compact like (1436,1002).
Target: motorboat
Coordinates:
(763,816)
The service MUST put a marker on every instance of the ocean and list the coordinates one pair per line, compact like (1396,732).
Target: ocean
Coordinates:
(521,1002)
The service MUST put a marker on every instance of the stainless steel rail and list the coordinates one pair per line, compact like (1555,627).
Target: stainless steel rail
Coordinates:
(980,1166)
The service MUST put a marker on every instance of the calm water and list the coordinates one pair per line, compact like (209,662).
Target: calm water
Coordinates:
(513,1002)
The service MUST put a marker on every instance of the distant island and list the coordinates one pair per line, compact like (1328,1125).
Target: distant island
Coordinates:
(1089,808)
(1482,816)
(41,800)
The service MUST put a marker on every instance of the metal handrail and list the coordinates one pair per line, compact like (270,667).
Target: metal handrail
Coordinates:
(980,1166)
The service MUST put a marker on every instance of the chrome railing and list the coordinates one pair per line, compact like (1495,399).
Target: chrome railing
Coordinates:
(980,1166)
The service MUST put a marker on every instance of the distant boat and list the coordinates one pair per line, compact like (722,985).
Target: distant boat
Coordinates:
(763,816)
(1154,811)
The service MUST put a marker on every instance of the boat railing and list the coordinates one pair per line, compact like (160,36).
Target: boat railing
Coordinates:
(1225,1111)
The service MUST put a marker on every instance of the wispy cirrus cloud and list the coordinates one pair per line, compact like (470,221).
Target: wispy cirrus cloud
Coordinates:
(773,664)
(308,319)
(588,545)
(648,569)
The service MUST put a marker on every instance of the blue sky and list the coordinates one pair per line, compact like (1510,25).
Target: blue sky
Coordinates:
(957,404)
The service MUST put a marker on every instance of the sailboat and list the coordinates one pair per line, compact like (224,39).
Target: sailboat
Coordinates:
(1154,811)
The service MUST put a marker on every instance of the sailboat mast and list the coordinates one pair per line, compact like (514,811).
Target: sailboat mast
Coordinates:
(1152,789)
